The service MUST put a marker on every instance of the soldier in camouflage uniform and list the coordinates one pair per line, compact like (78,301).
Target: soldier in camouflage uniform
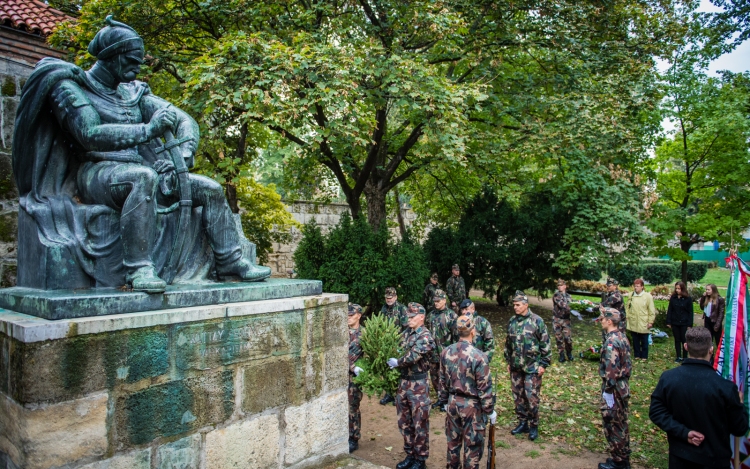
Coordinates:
(429,292)
(355,393)
(443,330)
(527,351)
(467,387)
(561,321)
(484,340)
(413,396)
(614,368)
(455,288)
(392,309)
(614,300)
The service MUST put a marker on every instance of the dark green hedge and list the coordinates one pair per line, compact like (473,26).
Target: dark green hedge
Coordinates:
(625,274)
(656,274)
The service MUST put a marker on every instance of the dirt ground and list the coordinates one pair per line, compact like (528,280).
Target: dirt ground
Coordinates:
(382,444)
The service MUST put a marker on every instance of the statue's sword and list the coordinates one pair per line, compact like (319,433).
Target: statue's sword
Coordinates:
(186,201)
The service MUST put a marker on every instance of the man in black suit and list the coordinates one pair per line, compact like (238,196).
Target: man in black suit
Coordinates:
(698,408)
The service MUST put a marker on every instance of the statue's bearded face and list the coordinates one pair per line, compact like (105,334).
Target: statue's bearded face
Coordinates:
(126,67)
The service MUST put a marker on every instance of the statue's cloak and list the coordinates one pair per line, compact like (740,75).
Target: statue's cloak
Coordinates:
(87,237)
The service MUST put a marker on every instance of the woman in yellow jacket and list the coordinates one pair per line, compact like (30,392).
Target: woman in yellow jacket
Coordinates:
(641,313)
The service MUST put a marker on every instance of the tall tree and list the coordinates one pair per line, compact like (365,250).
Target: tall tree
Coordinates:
(375,93)
(702,166)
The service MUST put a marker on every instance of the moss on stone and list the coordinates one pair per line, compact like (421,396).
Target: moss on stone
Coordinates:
(8,227)
(74,361)
(8,87)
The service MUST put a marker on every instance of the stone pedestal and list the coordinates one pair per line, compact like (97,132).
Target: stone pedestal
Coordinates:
(255,385)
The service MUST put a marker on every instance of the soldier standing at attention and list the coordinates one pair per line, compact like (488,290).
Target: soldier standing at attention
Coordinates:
(355,393)
(429,291)
(614,368)
(455,288)
(484,340)
(614,300)
(467,387)
(413,396)
(527,351)
(392,309)
(561,321)
(443,329)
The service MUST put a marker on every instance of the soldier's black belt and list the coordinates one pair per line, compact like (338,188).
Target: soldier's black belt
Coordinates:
(460,394)
(415,377)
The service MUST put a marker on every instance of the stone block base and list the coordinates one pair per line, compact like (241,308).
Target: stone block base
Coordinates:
(244,385)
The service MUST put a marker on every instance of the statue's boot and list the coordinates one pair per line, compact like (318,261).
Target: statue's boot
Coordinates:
(225,239)
(145,279)
(244,269)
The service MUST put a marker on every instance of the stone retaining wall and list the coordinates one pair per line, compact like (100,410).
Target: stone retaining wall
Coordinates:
(245,385)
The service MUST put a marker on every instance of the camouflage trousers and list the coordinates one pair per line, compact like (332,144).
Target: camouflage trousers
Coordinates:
(526,389)
(563,334)
(435,376)
(355,416)
(413,409)
(616,428)
(464,426)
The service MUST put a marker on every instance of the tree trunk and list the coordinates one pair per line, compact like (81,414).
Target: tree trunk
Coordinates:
(685,246)
(231,193)
(399,215)
(375,197)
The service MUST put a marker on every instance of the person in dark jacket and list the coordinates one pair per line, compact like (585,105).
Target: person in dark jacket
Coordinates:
(679,318)
(698,409)
(713,307)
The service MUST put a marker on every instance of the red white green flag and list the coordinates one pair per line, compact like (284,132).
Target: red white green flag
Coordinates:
(731,361)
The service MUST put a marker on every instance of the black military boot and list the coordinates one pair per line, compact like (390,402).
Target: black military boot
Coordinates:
(418,464)
(570,356)
(612,464)
(353,445)
(439,405)
(523,427)
(533,433)
(406,463)
(386,399)
(562,357)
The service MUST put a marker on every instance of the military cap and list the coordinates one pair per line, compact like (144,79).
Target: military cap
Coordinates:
(113,39)
(439,295)
(560,282)
(520,296)
(465,303)
(465,323)
(414,309)
(434,276)
(455,266)
(610,313)
(354,309)
(390,292)
(611,281)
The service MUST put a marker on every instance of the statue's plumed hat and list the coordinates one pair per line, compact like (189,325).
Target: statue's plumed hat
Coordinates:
(113,39)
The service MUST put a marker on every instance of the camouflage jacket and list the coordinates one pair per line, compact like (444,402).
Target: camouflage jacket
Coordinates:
(429,294)
(561,305)
(455,289)
(615,365)
(398,313)
(465,371)
(484,340)
(355,350)
(417,345)
(527,346)
(614,300)
(443,330)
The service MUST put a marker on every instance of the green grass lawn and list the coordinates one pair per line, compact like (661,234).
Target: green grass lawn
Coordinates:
(571,392)
(718,276)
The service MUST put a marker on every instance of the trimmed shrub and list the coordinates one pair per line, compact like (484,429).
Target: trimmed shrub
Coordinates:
(587,285)
(662,290)
(588,272)
(696,291)
(353,259)
(658,273)
(696,270)
(625,274)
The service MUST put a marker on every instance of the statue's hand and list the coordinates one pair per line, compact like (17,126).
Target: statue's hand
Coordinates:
(163,166)
(162,120)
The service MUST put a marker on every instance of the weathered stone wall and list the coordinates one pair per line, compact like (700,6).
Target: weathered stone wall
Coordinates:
(246,385)
(13,75)
(326,216)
